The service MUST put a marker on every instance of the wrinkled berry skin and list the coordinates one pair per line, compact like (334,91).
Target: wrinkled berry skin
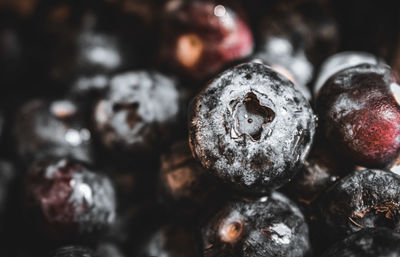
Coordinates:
(185,185)
(172,241)
(200,37)
(74,251)
(367,243)
(51,129)
(67,201)
(139,112)
(251,127)
(363,199)
(360,114)
(270,226)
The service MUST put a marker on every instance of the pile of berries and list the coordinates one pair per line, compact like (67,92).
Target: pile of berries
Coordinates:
(201,128)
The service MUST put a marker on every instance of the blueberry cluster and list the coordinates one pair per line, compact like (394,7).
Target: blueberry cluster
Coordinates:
(201,128)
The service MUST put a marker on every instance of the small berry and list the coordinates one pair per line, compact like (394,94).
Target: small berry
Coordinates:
(139,112)
(270,226)
(360,114)
(200,37)
(67,201)
(51,129)
(251,127)
(363,199)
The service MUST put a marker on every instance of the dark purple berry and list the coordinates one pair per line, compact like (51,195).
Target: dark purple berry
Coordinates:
(52,129)
(139,112)
(270,226)
(360,114)
(251,127)
(367,243)
(67,201)
(363,199)
(200,37)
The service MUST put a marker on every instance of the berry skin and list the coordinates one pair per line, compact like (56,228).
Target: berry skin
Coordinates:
(341,61)
(56,128)
(172,241)
(201,37)
(139,112)
(363,199)
(251,127)
(367,243)
(67,201)
(270,226)
(360,114)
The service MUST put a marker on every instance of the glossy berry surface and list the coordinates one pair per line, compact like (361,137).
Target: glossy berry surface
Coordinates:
(56,128)
(172,241)
(363,199)
(360,114)
(68,201)
(200,37)
(251,127)
(138,112)
(367,243)
(270,226)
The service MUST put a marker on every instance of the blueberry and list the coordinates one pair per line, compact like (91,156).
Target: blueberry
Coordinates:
(201,37)
(56,128)
(67,201)
(251,127)
(367,243)
(172,240)
(341,61)
(360,114)
(270,226)
(363,199)
(139,112)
